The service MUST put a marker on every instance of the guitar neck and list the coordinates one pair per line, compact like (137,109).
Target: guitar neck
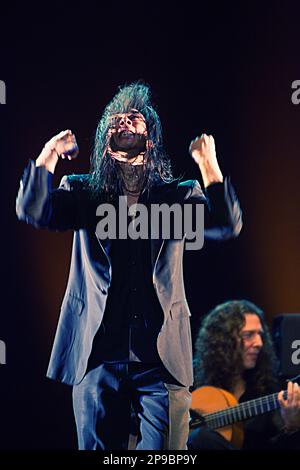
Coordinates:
(241,412)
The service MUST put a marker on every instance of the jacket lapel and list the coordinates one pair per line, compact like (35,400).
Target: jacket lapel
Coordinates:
(156,244)
(156,249)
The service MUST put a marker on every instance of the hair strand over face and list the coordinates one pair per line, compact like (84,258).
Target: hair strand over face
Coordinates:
(104,177)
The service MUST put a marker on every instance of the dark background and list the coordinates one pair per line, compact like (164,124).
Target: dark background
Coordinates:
(221,68)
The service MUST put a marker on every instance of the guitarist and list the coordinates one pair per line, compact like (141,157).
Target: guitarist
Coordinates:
(234,352)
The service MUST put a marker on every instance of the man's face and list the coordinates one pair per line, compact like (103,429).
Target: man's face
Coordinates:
(252,341)
(129,131)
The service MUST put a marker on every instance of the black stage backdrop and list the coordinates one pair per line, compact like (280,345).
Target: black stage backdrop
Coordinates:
(223,69)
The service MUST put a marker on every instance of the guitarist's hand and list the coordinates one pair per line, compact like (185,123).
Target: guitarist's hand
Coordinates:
(290,408)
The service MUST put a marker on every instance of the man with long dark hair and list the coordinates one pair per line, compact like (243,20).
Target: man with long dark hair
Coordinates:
(123,339)
(234,353)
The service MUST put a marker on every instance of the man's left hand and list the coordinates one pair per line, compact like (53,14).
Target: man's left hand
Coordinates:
(203,151)
(290,408)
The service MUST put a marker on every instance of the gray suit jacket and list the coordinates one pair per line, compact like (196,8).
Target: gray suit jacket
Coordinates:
(82,310)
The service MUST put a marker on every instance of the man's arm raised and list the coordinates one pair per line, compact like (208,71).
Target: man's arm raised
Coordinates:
(37,202)
(61,145)
(223,216)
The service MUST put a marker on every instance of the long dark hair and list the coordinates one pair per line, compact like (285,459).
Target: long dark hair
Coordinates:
(104,176)
(218,357)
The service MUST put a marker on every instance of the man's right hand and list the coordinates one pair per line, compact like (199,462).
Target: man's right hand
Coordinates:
(61,145)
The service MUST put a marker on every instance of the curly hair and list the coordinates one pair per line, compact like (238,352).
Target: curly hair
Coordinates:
(218,354)
(104,176)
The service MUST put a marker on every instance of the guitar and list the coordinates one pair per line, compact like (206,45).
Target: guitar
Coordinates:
(219,410)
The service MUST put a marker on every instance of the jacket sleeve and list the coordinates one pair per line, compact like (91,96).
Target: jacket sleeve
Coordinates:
(223,215)
(42,206)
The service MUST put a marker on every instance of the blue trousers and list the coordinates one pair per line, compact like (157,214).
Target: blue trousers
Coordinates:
(104,400)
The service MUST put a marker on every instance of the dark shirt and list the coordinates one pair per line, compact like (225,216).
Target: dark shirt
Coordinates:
(133,316)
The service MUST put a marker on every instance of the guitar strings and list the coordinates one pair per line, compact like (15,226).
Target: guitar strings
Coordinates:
(242,407)
(250,403)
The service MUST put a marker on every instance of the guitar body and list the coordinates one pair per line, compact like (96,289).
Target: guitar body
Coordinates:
(211,399)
